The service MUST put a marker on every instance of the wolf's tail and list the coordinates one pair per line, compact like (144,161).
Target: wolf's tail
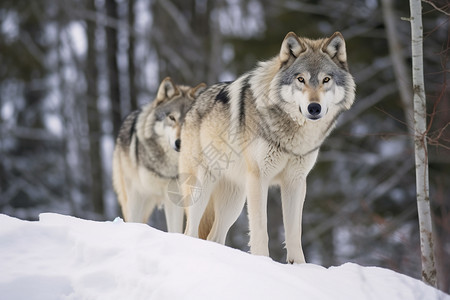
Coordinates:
(207,220)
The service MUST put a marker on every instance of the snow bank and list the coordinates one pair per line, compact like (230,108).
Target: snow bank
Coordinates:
(61,257)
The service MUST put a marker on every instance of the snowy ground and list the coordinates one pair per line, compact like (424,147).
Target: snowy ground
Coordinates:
(62,257)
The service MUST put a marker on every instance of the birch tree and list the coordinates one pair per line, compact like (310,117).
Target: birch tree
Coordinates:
(420,144)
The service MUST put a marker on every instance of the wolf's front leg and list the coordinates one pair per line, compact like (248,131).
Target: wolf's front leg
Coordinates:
(174,216)
(257,214)
(292,198)
(139,206)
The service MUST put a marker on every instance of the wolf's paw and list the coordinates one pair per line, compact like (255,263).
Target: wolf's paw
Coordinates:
(291,262)
(296,259)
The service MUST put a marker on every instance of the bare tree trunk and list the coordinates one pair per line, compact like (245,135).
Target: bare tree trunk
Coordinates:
(420,141)
(96,172)
(131,65)
(398,63)
(215,64)
(66,132)
(113,69)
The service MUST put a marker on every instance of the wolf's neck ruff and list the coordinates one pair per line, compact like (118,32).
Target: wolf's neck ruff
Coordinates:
(161,163)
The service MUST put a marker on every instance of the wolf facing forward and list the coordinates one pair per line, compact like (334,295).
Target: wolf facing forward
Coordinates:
(265,128)
(146,154)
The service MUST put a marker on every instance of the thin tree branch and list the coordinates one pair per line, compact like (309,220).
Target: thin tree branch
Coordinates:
(367,102)
(353,206)
(438,8)
(179,20)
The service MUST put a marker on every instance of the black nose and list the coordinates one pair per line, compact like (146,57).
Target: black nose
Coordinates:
(178,144)
(314,109)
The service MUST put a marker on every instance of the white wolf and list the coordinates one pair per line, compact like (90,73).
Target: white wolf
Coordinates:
(263,129)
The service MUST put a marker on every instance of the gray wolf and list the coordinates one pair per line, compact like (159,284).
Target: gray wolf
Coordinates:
(265,128)
(146,154)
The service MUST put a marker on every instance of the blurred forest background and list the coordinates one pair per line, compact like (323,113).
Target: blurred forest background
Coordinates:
(71,70)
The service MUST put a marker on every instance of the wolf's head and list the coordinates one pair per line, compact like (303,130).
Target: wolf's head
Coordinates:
(171,105)
(314,74)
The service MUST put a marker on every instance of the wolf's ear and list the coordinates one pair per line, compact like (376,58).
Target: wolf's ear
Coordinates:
(291,48)
(196,91)
(335,48)
(167,89)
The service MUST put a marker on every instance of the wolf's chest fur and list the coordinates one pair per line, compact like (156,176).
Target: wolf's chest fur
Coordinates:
(295,137)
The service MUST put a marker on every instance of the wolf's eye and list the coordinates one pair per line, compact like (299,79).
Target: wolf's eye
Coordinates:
(326,79)
(172,118)
(301,79)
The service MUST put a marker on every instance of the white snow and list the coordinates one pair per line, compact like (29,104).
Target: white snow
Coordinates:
(61,257)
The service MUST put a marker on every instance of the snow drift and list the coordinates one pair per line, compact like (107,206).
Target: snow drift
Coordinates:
(61,257)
